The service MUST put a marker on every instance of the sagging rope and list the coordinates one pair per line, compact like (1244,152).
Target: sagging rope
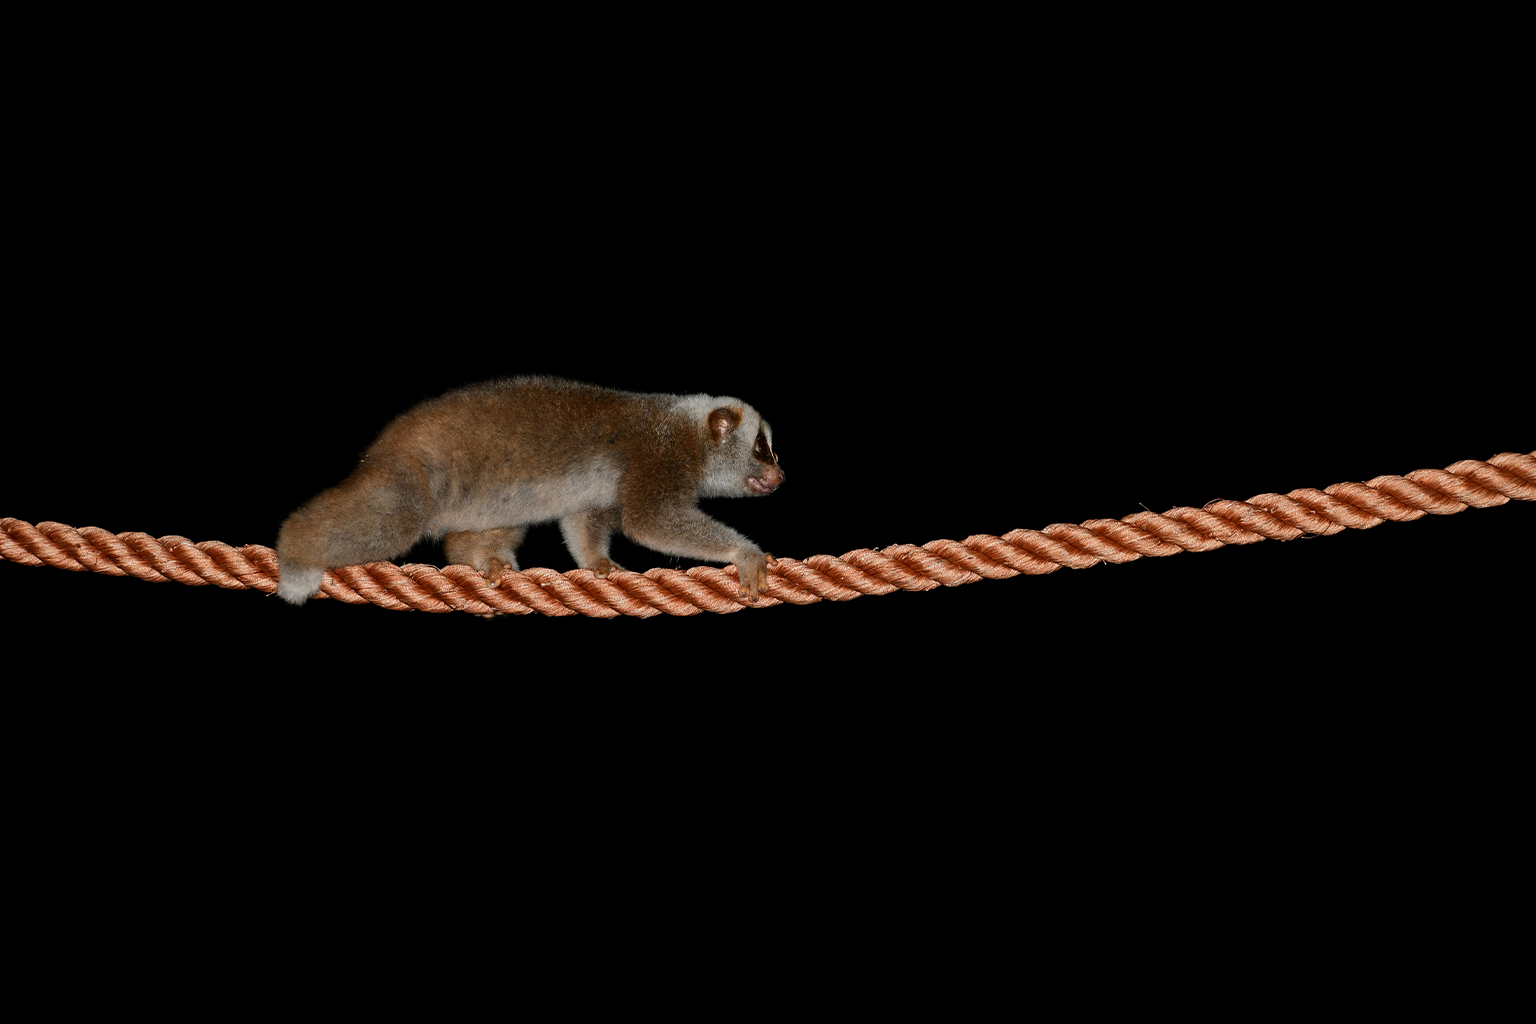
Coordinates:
(1470,483)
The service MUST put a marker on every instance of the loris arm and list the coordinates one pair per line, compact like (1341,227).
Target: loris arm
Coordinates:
(676,526)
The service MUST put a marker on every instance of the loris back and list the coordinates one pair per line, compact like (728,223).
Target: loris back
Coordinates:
(478,465)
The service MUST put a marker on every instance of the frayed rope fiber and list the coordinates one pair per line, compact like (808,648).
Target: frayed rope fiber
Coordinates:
(1470,483)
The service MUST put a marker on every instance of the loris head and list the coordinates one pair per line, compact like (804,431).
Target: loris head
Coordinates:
(739,459)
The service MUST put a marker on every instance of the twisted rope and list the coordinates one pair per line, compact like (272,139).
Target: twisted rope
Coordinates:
(821,577)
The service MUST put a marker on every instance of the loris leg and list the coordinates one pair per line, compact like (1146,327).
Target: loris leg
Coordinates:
(491,551)
(373,514)
(587,534)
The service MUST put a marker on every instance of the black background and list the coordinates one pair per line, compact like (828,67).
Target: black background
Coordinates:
(962,316)
(971,295)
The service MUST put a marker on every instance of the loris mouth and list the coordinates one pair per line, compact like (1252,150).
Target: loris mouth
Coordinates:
(761,486)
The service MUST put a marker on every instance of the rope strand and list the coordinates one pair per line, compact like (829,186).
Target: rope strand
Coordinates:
(1470,483)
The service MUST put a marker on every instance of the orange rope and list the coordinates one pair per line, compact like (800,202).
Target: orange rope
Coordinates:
(820,577)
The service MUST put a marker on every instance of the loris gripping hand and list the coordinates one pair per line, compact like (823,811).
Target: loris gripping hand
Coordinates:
(754,575)
(479,465)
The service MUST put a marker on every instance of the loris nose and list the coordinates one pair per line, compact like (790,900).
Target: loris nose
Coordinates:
(773,476)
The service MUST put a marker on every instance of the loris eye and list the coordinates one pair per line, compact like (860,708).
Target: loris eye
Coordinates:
(761,452)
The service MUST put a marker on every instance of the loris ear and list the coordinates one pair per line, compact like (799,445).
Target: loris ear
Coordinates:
(722,421)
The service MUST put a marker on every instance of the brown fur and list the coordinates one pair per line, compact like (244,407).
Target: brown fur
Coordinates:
(478,465)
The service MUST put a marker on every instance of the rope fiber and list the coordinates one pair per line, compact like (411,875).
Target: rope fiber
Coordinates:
(1470,483)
